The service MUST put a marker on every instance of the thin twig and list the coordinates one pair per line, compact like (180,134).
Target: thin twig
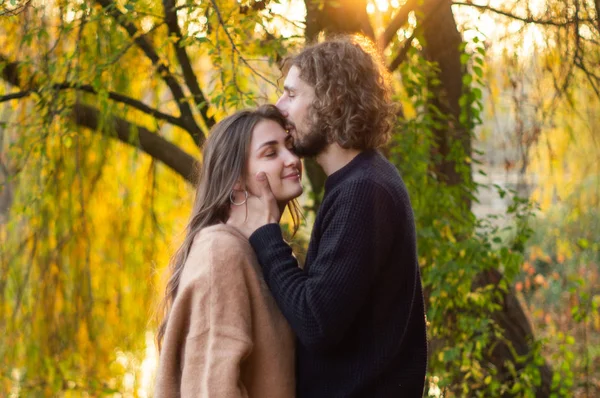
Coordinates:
(184,61)
(6,12)
(222,23)
(161,66)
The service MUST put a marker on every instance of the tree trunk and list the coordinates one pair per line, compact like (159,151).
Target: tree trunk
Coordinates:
(442,46)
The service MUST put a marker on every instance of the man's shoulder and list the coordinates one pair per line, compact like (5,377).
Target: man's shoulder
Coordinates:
(378,175)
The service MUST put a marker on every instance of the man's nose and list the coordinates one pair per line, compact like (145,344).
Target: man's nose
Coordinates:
(281,107)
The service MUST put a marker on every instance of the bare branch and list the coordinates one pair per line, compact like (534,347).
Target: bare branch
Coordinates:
(433,7)
(144,44)
(150,142)
(528,20)
(592,78)
(12,96)
(188,73)
(401,57)
(399,20)
(597,3)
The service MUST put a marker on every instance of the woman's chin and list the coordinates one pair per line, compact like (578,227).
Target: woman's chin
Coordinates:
(285,199)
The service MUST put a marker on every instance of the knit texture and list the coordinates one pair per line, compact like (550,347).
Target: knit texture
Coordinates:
(225,336)
(357,306)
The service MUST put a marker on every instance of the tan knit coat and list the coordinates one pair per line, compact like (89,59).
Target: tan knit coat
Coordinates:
(225,336)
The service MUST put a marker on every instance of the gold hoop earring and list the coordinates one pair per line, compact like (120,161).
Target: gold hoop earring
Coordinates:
(233,202)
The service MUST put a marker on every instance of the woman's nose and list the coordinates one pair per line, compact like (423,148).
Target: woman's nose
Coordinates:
(291,159)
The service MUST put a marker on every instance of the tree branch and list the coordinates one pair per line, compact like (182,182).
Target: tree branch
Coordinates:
(112,95)
(12,96)
(399,20)
(188,73)
(592,78)
(401,57)
(527,20)
(139,105)
(430,10)
(127,132)
(8,12)
(150,142)
(597,3)
(142,42)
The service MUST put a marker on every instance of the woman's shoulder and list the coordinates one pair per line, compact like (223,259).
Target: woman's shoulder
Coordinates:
(222,238)
(216,250)
(219,248)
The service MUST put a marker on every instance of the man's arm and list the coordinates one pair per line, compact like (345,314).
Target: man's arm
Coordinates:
(356,237)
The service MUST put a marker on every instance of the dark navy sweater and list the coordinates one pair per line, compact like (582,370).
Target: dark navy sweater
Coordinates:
(357,306)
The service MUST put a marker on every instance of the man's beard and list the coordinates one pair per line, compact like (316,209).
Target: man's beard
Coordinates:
(310,143)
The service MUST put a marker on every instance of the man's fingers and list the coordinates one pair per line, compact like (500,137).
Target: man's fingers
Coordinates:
(263,184)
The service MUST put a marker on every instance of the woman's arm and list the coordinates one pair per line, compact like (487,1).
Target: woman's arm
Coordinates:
(212,356)
(209,333)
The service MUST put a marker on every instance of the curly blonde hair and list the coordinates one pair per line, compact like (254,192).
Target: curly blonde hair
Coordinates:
(352,105)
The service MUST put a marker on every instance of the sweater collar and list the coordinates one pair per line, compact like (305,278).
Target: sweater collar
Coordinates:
(335,178)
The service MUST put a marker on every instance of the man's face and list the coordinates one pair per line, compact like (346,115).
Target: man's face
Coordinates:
(295,104)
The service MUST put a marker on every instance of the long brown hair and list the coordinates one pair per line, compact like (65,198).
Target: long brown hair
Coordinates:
(225,156)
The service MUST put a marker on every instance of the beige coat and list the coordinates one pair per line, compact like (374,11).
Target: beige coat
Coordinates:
(225,336)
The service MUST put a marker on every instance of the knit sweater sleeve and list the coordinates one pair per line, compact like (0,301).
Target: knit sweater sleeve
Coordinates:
(356,235)
(221,339)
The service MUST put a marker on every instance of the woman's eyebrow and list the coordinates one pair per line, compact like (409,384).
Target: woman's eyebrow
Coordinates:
(272,142)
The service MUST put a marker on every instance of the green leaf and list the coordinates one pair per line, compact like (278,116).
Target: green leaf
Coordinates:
(464,58)
(583,243)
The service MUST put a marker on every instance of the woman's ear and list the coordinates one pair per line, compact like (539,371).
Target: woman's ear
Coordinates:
(238,186)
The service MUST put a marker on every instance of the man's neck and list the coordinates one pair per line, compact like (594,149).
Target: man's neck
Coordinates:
(334,157)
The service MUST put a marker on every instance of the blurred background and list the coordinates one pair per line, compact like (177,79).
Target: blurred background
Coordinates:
(105,104)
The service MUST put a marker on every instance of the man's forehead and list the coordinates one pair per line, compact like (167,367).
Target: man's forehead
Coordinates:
(293,81)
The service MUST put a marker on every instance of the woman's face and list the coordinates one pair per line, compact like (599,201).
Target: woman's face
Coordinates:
(271,151)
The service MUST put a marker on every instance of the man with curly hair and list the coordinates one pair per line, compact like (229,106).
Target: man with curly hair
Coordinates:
(357,305)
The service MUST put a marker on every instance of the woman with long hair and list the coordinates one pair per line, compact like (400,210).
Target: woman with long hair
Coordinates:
(222,334)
